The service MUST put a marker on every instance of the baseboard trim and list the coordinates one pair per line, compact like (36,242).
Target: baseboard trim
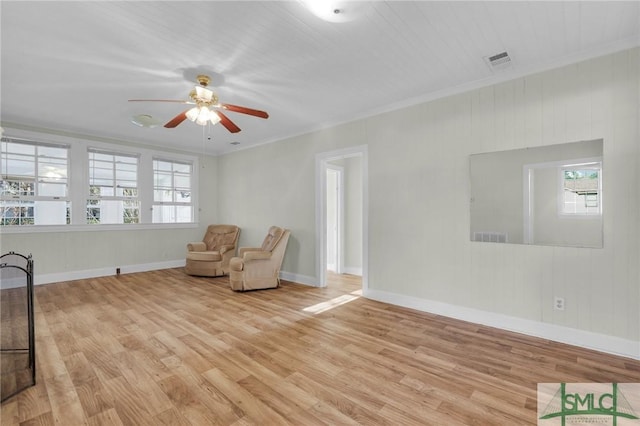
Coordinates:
(105,272)
(352,270)
(585,339)
(299,279)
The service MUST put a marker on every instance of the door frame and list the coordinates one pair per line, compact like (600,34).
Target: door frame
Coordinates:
(322,163)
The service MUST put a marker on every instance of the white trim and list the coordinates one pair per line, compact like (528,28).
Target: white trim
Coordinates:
(321,222)
(9,283)
(105,272)
(351,270)
(299,278)
(36,229)
(586,339)
(527,191)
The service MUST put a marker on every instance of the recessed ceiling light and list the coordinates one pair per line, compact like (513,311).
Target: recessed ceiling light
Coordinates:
(144,120)
(336,10)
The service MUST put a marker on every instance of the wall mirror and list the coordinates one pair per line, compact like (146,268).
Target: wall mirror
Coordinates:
(548,195)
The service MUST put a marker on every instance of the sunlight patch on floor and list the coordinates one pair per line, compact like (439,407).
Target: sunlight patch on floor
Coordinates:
(333,303)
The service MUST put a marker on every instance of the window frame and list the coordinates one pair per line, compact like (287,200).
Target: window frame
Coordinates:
(114,178)
(581,164)
(29,200)
(78,182)
(173,187)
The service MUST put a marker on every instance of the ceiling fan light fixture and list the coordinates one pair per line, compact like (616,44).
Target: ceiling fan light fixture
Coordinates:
(214,117)
(204,94)
(192,114)
(203,116)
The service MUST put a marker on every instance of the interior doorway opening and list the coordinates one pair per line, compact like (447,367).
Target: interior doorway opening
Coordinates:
(341,215)
(335,217)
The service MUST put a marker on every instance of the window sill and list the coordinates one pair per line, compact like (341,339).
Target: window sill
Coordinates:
(36,229)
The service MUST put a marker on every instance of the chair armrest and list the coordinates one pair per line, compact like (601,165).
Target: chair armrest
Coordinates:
(243,250)
(256,255)
(197,246)
(226,248)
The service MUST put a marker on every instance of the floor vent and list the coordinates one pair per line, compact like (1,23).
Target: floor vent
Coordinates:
(490,237)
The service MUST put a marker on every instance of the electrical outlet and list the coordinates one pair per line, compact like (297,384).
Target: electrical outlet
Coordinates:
(558,303)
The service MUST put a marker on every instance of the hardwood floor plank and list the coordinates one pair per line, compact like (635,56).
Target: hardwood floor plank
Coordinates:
(108,417)
(163,347)
(244,400)
(356,405)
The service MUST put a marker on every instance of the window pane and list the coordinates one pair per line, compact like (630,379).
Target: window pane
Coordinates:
(581,191)
(15,188)
(183,197)
(183,214)
(172,187)
(16,213)
(162,180)
(113,175)
(161,165)
(183,182)
(19,166)
(50,212)
(19,148)
(112,211)
(34,170)
(163,195)
(182,168)
(163,214)
(52,189)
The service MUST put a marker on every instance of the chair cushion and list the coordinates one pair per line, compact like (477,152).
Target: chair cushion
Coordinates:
(272,238)
(220,235)
(205,256)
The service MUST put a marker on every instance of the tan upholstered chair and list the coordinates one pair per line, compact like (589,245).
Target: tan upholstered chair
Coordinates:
(259,267)
(210,258)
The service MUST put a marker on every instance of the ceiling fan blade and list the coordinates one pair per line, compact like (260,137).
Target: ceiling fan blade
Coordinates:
(230,125)
(162,100)
(244,110)
(176,120)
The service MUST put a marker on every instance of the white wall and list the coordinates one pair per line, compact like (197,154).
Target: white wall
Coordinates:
(419,244)
(353,215)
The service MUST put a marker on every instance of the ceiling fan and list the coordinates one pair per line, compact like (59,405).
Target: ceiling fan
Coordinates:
(207,109)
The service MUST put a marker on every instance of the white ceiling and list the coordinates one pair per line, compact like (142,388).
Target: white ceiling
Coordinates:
(73,65)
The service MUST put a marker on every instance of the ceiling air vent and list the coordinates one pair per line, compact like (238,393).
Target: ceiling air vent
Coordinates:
(498,61)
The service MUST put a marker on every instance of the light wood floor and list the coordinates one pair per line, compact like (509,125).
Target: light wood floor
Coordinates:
(164,348)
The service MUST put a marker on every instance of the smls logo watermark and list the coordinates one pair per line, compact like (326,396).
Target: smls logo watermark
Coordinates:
(615,404)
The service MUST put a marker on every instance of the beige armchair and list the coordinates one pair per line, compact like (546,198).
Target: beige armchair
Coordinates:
(259,267)
(210,258)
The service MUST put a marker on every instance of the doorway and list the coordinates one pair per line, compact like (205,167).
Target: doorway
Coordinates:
(335,217)
(341,214)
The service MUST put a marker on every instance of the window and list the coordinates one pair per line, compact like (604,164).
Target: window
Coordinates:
(113,188)
(172,201)
(67,183)
(34,188)
(581,189)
